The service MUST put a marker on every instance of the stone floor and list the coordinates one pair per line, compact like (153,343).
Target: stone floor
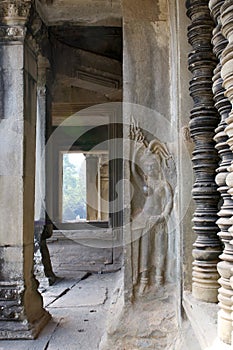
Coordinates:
(82,303)
(90,256)
(78,307)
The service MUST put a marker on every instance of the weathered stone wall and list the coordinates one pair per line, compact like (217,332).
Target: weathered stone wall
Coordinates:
(146,55)
(181,104)
(155,75)
(146,82)
(88,12)
(81,79)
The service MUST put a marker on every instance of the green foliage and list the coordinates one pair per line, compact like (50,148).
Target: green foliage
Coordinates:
(74,190)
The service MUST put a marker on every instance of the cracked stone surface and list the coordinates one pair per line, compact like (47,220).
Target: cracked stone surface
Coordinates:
(83,294)
(85,311)
(61,287)
(79,309)
(78,257)
(148,323)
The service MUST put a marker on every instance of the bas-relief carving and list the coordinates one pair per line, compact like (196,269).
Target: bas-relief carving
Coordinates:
(149,224)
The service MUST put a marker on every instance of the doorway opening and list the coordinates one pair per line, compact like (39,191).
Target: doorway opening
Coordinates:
(84,165)
(73,187)
(85,186)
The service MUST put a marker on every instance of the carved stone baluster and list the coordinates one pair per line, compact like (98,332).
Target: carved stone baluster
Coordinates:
(204,119)
(227,75)
(223,105)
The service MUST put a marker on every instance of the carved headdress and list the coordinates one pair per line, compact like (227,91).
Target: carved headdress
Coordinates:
(144,149)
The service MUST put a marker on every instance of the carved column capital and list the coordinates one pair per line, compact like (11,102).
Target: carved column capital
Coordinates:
(14,12)
(43,66)
(13,17)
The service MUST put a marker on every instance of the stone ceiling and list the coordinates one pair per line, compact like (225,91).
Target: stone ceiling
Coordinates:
(80,12)
(86,40)
(104,41)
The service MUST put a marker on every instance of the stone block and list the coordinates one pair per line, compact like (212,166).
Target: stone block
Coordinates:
(11,210)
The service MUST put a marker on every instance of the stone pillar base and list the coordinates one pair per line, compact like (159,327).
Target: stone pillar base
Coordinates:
(23,329)
(17,321)
(224,327)
(208,295)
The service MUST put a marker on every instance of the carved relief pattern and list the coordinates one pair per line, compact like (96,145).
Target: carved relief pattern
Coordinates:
(150,163)
(11,295)
(227,75)
(204,120)
(223,106)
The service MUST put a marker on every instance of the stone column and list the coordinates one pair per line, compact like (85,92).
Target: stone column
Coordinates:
(91,187)
(104,187)
(227,75)
(40,176)
(98,190)
(22,314)
(223,106)
(43,66)
(204,119)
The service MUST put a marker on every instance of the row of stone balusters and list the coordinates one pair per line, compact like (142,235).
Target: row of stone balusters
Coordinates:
(224,107)
(227,75)
(204,120)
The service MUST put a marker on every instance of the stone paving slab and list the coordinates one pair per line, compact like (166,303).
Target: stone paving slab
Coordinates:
(73,327)
(76,255)
(82,327)
(83,294)
(61,287)
(79,329)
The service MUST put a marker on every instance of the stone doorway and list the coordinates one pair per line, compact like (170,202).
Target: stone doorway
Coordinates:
(85,73)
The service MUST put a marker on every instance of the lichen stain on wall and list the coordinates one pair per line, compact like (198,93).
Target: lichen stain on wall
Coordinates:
(151,10)
(161,31)
(163,10)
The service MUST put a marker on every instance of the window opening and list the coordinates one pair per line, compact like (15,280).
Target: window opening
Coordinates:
(85,187)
